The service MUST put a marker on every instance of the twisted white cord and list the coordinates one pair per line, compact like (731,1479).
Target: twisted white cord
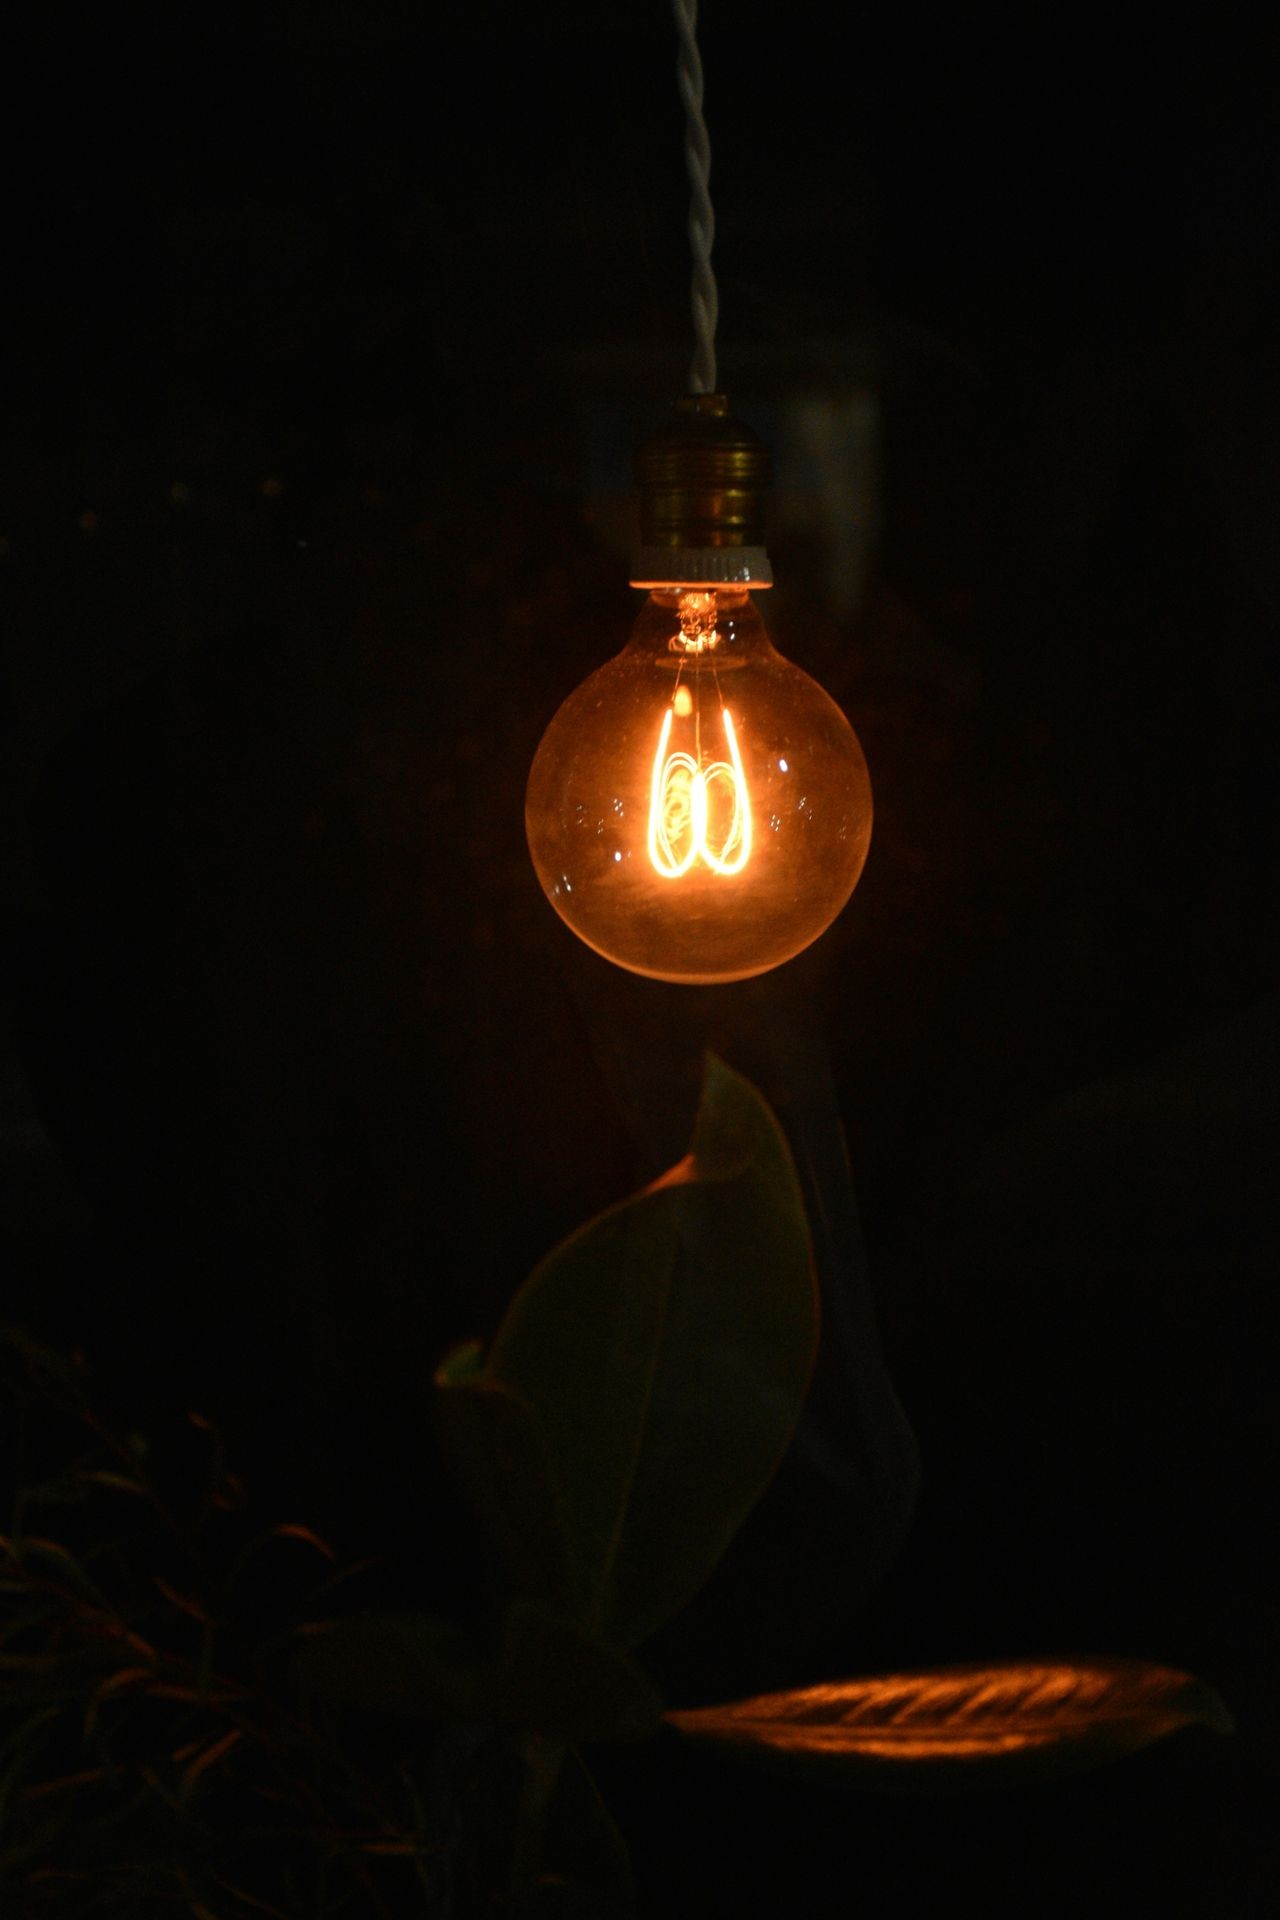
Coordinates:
(702,219)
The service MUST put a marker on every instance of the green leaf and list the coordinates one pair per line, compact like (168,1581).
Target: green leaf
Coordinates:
(461,1365)
(665,1350)
(552,1679)
(497,1451)
(547,1677)
(966,1726)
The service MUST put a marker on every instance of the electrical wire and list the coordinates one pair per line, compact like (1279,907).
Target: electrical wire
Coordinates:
(705,300)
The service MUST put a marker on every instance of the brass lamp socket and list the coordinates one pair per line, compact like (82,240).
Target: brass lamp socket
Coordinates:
(702,478)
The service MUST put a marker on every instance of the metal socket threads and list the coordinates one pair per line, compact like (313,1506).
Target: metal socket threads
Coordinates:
(702,478)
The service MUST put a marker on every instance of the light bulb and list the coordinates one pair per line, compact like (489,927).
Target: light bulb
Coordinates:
(699,809)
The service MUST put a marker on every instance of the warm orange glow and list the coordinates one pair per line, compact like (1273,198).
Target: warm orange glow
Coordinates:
(699,809)
(690,804)
(967,1714)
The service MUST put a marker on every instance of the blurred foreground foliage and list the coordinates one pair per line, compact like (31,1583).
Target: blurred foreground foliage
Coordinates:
(185,1734)
(154,1752)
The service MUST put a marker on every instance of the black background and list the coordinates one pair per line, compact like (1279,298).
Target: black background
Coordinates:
(302,546)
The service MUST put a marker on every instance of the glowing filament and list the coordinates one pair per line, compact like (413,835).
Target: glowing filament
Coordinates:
(682,798)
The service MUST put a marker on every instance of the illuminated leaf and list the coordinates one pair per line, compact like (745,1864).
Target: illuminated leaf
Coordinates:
(966,1726)
(665,1350)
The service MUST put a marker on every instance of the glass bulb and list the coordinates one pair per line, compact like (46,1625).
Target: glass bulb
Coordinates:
(699,809)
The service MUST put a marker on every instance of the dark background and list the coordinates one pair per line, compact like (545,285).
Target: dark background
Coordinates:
(332,330)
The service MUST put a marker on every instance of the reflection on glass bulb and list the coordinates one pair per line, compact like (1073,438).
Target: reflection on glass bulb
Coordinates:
(699,810)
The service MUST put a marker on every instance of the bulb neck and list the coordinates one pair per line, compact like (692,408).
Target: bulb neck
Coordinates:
(697,628)
(702,479)
(676,569)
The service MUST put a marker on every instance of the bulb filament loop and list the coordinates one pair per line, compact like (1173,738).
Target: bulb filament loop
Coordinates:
(698,813)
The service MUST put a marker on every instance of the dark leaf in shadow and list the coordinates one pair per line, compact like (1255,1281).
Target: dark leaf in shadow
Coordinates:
(497,1451)
(402,1663)
(554,1680)
(584,1855)
(547,1677)
(665,1351)
(555,1898)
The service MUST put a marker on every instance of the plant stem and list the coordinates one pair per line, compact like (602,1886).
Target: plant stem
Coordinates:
(542,1762)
